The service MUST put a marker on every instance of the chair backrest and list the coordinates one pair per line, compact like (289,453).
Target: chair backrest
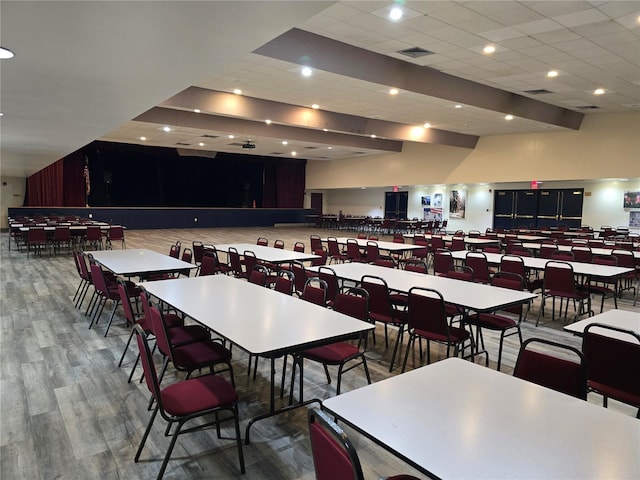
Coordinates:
(521,251)
(552,371)
(582,254)
(426,311)
(258,275)
(354,302)
(300,274)
(148,365)
(386,261)
(474,233)
(373,238)
(93,233)
(353,250)
(36,234)
(315,291)
(437,242)
(558,276)
(625,258)
(285,282)
(316,242)
(513,264)
(116,232)
(373,251)
(278,244)
(512,281)
(322,260)
(198,251)
(417,266)
(97,276)
(547,249)
(333,246)
(262,241)
(208,263)
(480,266)
(457,244)
(464,273)
(298,247)
(362,236)
(334,456)
(187,255)
(562,256)
(605,260)
(174,251)
(234,261)
(379,299)
(491,249)
(62,234)
(442,261)
(125,300)
(398,238)
(250,261)
(329,276)
(613,363)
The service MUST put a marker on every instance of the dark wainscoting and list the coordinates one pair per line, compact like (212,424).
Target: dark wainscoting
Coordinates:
(144,218)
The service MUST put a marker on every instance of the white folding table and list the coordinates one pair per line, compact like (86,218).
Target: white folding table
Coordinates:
(259,320)
(267,254)
(391,247)
(616,318)
(457,420)
(138,262)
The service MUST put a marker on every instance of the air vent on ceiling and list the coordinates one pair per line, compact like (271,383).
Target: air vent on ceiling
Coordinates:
(539,91)
(587,107)
(323,158)
(183,144)
(276,153)
(415,52)
(310,148)
(235,144)
(210,136)
(359,153)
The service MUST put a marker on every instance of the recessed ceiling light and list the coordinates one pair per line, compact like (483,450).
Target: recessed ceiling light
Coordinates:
(5,53)
(267,121)
(508,117)
(166,129)
(489,49)
(395,13)
(315,106)
(232,136)
(598,91)
(201,144)
(143,138)
(284,142)
(325,129)
(196,110)
(307,72)
(393,91)
(552,74)
(457,106)
(427,125)
(373,136)
(330,148)
(293,154)
(237,91)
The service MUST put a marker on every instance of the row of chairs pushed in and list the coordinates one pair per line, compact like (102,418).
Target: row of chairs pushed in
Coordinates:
(39,240)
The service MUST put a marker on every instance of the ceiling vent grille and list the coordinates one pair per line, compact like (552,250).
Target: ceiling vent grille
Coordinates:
(310,148)
(415,52)
(183,144)
(276,153)
(210,136)
(587,107)
(540,91)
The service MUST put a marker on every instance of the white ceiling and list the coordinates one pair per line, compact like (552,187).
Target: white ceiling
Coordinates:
(85,70)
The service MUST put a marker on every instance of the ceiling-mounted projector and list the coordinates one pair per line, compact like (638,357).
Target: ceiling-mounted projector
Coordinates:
(249,144)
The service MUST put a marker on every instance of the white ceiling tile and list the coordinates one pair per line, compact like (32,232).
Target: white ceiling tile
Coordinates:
(583,17)
(501,34)
(618,8)
(563,35)
(538,26)
(629,21)
(519,43)
(448,33)
(454,14)
(606,27)
(516,13)
(478,24)
(558,7)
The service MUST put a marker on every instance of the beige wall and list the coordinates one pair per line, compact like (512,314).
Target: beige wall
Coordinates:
(606,146)
(12,192)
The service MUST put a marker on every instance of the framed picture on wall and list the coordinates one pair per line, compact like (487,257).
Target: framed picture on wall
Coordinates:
(432,214)
(457,201)
(631,200)
(437,200)
(426,200)
(634,219)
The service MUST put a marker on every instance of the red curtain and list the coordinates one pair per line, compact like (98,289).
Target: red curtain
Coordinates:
(61,184)
(284,184)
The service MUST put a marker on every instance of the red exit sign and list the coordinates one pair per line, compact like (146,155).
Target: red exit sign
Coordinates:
(535,184)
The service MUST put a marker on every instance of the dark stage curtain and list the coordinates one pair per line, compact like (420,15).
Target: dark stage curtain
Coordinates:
(61,184)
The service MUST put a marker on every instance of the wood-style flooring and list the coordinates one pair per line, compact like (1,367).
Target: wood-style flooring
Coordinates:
(67,411)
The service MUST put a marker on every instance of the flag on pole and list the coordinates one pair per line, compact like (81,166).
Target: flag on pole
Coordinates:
(87,180)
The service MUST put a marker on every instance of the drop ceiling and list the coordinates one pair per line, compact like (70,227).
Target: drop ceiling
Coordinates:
(120,72)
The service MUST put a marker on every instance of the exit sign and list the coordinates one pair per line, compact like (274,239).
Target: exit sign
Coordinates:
(535,184)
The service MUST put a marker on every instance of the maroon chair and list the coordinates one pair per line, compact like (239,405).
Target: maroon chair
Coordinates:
(36,238)
(103,293)
(372,252)
(515,264)
(93,237)
(381,310)
(198,251)
(559,282)
(427,319)
(115,234)
(613,363)
(278,244)
(335,254)
(187,400)
(551,371)
(442,262)
(298,247)
(506,321)
(582,254)
(353,251)
(315,291)
(334,456)
(316,242)
(262,241)
(174,250)
(457,244)
(333,285)
(386,261)
(235,263)
(354,303)
(562,256)
(477,261)
(258,275)
(627,282)
(604,286)
(322,260)
(62,238)
(437,243)
(285,282)
(85,278)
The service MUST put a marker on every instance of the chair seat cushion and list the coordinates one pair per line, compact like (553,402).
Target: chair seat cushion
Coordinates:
(399,298)
(615,393)
(456,335)
(400,317)
(200,354)
(198,394)
(493,321)
(334,353)
(558,293)
(184,334)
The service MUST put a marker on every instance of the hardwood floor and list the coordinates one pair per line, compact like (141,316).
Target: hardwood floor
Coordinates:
(67,411)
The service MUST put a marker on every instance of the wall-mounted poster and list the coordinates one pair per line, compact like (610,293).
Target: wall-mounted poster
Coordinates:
(631,200)
(437,200)
(634,219)
(432,214)
(426,200)
(457,200)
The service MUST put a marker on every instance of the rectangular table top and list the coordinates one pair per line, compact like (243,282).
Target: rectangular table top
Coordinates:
(457,420)
(537,263)
(594,250)
(616,318)
(257,319)
(267,254)
(469,295)
(135,261)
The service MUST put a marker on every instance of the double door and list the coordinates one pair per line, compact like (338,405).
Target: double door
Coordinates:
(538,208)
(395,205)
